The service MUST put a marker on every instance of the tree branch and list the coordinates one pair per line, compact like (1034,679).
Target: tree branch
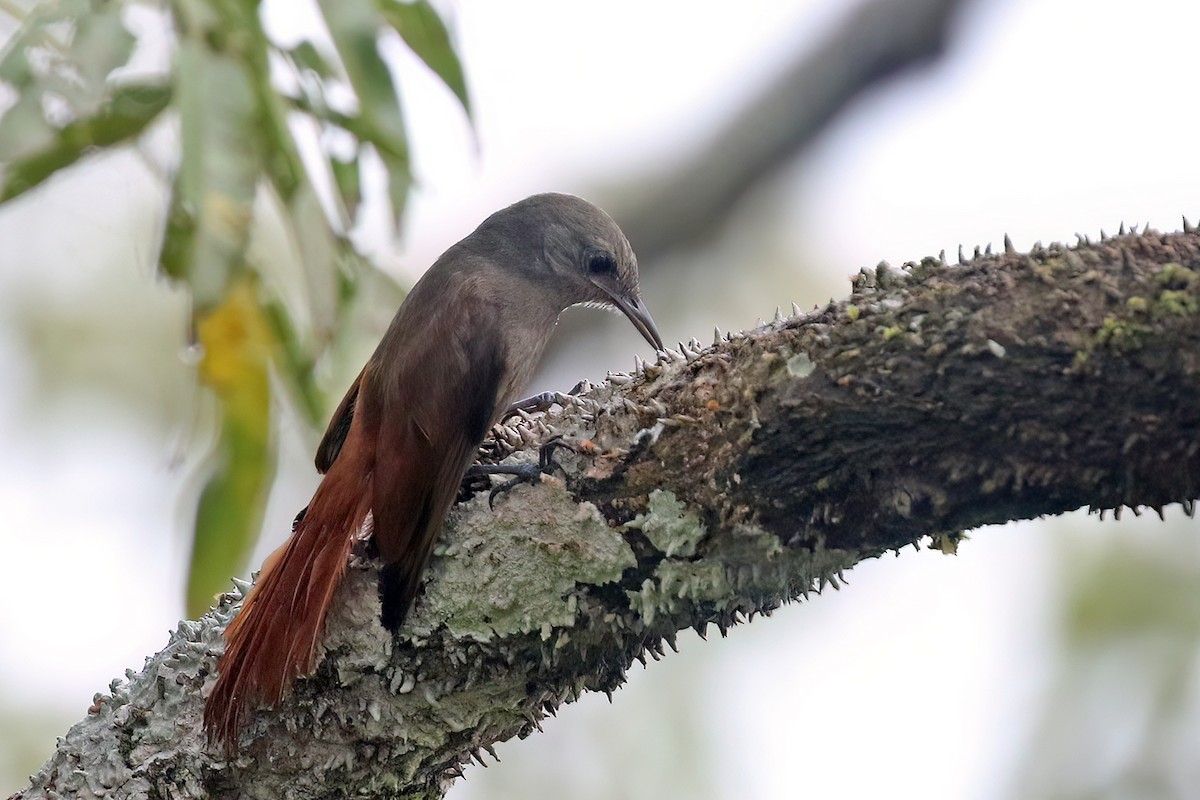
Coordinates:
(716,484)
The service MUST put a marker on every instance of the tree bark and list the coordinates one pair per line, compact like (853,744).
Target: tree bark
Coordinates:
(712,486)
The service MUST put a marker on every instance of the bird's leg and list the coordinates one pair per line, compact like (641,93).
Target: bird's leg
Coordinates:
(522,473)
(540,402)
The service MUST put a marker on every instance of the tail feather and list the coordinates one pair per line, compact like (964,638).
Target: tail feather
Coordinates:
(275,637)
(398,587)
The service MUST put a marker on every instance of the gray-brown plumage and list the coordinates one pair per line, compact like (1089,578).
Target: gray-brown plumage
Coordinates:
(460,349)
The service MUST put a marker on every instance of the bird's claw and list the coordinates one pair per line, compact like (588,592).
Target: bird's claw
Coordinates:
(546,459)
(521,473)
(525,473)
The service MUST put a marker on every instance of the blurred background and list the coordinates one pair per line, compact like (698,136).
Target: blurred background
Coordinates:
(1048,659)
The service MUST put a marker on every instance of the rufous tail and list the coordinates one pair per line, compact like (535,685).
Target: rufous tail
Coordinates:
(274,638)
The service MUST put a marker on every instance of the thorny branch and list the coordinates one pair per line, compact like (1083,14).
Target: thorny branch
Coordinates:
(715,484)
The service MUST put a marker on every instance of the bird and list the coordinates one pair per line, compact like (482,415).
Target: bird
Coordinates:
(456,356)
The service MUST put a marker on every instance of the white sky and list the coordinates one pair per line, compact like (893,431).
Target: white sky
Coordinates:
(922,677)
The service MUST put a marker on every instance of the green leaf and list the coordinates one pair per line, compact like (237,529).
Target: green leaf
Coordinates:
(46,151)
(426,35)
(306,56)
(400,182)
(100,45)
(295,253)
(299,366)
(355,26)
(208,224)
(68,102)
(235,140)
(24,130)
(347,179)
(68,49)
(317,246)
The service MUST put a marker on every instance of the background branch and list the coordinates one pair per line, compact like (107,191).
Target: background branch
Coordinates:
(686,204)
(873,43)
(716,484)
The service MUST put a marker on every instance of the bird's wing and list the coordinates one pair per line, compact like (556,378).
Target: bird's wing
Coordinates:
(434,415)
(339,426)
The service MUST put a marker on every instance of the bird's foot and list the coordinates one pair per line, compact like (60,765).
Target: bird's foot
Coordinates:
(522,473)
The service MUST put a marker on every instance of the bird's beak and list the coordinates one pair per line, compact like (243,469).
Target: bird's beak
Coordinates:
(636,311)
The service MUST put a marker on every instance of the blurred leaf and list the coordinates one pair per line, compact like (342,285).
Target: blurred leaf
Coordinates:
(308,57)
(295,253)
(281,156)
(60,63)
(238,348)
(69,47)
(75,94)
(127,114)
(399,183)
(24,130)
(208,225)
(298,365)
(424,32)
(355,26)
(99,46)
(317,246)
(347,178)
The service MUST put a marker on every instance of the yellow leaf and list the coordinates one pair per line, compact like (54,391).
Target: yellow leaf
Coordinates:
(238,346)
(236,340)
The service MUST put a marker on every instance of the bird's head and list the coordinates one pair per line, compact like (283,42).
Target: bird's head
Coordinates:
(580,254)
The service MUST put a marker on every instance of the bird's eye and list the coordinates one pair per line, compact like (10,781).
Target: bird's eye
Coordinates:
(602,264)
